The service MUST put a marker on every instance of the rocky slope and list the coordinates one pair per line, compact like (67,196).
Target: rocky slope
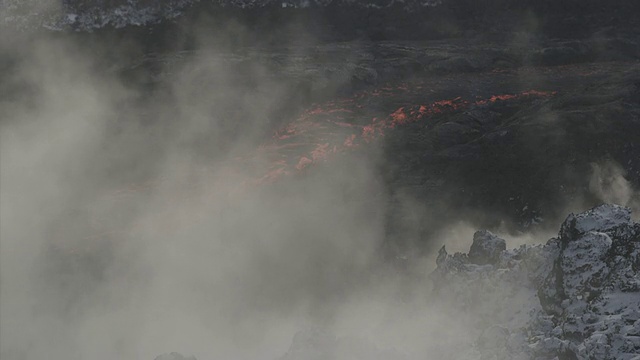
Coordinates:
(575,297)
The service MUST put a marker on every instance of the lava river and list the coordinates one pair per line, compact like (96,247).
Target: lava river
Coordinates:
(328,130)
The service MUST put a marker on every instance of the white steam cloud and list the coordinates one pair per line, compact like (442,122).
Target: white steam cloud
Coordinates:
(608,184)
(193,262)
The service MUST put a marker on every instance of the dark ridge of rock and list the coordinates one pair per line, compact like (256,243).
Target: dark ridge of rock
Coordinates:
(339,19)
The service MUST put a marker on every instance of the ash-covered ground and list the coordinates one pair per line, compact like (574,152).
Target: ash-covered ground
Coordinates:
(219,178)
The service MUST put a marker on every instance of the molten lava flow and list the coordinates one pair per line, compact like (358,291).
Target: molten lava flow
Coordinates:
(334,127)
(505,97)
(317,135)
(337,126)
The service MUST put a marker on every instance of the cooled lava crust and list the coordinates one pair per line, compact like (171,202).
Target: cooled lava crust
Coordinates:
(516,142)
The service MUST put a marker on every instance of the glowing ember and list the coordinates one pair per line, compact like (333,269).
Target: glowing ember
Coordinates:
(505,97)
(368,133)
(398,117)
(348,142)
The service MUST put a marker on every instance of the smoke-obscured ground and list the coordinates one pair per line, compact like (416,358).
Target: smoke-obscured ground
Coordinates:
(198,263)
(128,229)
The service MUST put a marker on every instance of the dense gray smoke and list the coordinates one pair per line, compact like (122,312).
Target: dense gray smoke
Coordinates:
(198,262)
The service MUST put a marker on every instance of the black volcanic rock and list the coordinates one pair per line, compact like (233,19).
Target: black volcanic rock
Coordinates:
(341,19)
(486,248)
(599,303)
(525,157)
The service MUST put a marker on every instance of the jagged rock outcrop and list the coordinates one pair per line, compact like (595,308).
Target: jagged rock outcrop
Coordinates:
(486,248)
(576,297)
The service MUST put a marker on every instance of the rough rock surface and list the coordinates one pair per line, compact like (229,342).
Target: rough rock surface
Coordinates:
(575,297)
(89,15)
(486,248)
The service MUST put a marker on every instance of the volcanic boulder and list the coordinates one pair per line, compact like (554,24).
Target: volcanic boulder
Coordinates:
(486,248)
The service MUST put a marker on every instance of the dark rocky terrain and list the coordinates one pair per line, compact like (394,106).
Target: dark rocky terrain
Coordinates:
(575,297)
(580,290)
(519,131)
